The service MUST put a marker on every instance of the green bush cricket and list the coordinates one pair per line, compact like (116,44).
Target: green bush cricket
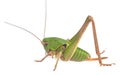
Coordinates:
(68,50)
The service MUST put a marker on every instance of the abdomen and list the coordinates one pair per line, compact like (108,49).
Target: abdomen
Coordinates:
(80,55)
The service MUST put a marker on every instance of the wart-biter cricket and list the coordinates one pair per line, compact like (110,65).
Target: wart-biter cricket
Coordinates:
(68,50)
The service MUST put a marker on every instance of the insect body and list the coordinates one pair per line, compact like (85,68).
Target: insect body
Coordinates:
(52,44)
(68,50)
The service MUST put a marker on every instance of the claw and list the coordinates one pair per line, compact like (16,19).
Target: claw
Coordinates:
(102,52)
(107,64)
(38,60)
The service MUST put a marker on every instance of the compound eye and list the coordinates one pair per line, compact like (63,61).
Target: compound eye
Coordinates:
(65,45)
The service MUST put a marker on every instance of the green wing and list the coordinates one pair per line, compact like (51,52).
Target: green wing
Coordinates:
(70,50)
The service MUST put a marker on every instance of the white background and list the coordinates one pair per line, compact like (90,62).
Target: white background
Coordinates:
(19,49)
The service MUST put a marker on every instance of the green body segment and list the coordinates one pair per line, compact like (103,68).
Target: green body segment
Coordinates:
(80,55)
(53,43)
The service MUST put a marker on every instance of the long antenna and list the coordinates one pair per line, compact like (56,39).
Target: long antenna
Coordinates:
(45,17)
(24,30)
(30,31)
